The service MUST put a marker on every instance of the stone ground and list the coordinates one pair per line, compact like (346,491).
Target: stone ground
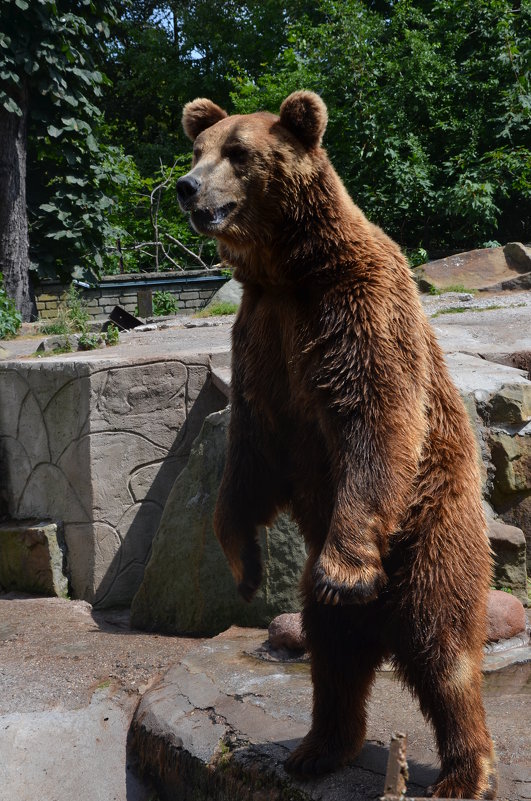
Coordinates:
(71,679)
(494,322)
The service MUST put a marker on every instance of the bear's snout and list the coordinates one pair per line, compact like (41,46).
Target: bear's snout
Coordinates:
(187,188)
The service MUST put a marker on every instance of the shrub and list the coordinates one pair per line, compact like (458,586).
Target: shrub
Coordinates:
(164,303)
(72,315)
(10,318)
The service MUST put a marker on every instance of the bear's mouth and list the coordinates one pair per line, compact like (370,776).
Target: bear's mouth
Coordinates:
(207,220)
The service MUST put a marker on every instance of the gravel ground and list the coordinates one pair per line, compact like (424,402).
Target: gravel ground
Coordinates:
(57,653)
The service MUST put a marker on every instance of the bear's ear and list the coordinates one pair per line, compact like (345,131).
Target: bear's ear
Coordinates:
(200,114)
(305,115)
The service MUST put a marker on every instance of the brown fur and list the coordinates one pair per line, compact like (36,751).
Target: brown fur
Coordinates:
(343,409)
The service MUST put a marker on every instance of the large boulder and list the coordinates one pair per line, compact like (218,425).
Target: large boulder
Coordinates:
(231,292)
(187,586)
(486,268)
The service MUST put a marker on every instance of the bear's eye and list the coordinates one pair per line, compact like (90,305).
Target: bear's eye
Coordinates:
(237,154)
(197,153)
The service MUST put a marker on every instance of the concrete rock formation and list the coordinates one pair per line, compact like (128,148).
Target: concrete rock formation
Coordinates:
(96,442)
(231,292)
(31,558)
(187,586)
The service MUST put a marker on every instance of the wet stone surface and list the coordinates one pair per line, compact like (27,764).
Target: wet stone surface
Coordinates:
(226,718)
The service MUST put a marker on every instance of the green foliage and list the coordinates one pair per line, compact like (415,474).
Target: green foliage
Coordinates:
(429,110)
(218,309)
(164,304)
(416,257)
(88,341)
(145,212)
(49,49)
(451,288)
(112,335)
(429,105)
(10,318)
(464,309)
(72,315)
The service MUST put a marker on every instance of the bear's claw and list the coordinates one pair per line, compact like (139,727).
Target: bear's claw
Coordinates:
(332,592)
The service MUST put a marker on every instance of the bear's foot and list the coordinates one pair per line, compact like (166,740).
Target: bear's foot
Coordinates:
(482,785)
(316,756)
(353,585)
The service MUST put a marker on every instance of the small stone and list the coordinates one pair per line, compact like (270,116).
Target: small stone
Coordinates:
(505,616)
(285,631)
(146,327)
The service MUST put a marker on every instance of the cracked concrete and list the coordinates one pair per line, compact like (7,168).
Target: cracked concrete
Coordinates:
(219,726)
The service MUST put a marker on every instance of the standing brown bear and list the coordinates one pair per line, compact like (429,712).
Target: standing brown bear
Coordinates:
(343,410)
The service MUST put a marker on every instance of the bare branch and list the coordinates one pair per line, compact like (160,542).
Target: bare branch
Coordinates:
(193,255)
(170,258)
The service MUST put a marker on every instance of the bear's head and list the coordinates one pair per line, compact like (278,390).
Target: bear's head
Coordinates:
(246,167)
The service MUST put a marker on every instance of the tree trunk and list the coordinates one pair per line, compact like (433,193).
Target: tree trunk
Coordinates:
(14,247)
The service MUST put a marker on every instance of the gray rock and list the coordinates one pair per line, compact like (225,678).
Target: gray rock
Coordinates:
(55,343)
(219,725)
(519,254)
(486,268)
(31,558)
(187,585)
(509,546)
(231,292)
(511,405)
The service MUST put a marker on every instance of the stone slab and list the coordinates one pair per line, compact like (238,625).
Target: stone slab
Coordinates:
(482,331)
(89,745)
(252,714)
(482,378)
(31,558)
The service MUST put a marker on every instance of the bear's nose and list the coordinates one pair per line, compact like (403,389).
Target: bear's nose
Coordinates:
(187,187)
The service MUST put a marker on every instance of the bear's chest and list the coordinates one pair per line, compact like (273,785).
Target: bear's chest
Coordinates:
(270,346)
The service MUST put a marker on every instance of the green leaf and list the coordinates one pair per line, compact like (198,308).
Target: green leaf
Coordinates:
(55,132)
(10,105)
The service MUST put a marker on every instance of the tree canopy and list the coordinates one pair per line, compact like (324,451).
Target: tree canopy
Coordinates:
(429,108)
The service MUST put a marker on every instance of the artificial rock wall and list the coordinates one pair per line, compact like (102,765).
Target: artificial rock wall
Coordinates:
(97,445)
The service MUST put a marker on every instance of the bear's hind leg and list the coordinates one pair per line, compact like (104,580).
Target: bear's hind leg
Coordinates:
(343,670)
(449,691)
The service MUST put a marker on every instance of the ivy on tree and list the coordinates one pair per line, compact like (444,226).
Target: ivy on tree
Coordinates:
(49,119)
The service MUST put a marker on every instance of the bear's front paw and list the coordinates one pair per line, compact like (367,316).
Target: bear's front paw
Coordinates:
(251,571)
(337,584)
